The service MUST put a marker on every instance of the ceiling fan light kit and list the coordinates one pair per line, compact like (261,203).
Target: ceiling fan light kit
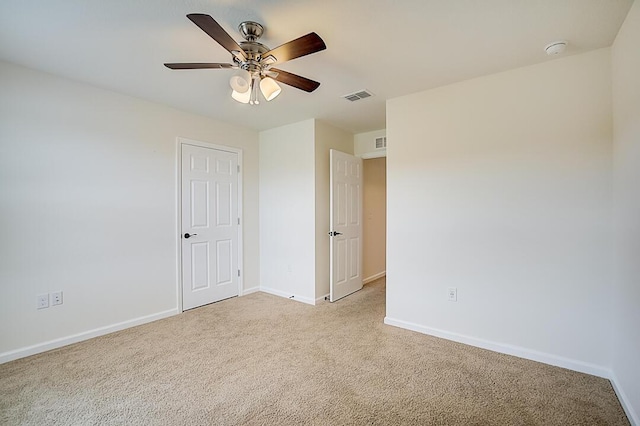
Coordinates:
(269,88)
(243,97)
(242,82)
(255,61)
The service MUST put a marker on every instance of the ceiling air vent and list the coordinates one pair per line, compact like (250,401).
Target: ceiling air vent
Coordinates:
(381,142)
(362,94)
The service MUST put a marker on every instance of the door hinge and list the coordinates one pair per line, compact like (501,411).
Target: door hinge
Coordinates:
(238,272)
(238,167)
(238,221)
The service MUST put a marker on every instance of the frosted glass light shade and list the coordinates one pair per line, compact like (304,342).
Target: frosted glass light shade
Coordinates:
(241,82)
(241,97)
(269,88)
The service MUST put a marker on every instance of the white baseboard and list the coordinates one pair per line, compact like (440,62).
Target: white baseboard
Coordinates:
(558,361)
(250,290)
(286,295)
(85,335)
(633,417)
(374,277)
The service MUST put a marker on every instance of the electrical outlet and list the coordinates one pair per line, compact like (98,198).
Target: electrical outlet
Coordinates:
(56,298)
(453,294)
(43,301)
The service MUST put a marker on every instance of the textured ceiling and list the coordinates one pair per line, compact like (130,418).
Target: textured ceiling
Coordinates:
(391,48)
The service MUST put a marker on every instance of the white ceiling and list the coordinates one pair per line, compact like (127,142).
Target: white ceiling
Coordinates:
(390,47)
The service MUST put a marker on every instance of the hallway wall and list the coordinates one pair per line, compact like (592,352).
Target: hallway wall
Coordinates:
(374,218)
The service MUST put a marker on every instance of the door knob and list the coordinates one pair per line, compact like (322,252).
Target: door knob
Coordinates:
(188,235)
(334,233)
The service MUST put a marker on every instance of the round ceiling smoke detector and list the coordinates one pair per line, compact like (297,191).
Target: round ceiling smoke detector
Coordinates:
(555,48)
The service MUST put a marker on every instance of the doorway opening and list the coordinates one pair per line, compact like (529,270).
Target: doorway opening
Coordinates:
(374,232)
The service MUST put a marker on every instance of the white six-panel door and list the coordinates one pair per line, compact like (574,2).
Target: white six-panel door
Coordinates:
(346,224)
(209,225)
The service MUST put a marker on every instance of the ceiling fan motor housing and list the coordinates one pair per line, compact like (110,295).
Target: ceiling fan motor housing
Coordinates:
(251,31)
(254,52)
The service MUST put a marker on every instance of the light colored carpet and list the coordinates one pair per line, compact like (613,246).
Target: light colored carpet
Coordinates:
(260,359)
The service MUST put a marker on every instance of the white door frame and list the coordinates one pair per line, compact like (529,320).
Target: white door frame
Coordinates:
(178,231)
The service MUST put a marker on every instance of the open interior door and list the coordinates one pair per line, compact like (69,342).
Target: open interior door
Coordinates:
(345,224)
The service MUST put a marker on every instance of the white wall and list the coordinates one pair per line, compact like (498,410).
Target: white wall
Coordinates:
(327,137)
(294,208)
(626,163)
(374,218)
(364,144)
(500,187)
(88,206)
(287,211)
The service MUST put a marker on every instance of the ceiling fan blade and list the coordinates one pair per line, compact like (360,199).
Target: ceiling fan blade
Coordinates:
(295,80)
(305,45)
(195,66)
(216,32)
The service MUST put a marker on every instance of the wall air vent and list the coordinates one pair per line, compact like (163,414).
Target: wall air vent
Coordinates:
(356,96)
(381,142)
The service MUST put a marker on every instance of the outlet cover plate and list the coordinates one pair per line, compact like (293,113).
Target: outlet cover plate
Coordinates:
(56,298)
(43,301)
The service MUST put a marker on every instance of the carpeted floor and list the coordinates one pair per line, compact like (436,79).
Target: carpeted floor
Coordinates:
(264,360)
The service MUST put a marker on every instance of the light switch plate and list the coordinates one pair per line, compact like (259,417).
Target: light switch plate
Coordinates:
(453,294)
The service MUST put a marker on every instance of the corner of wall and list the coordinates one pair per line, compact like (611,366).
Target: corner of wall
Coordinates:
(625,64)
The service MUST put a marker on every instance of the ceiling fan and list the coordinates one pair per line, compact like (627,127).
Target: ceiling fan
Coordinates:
(254,60)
